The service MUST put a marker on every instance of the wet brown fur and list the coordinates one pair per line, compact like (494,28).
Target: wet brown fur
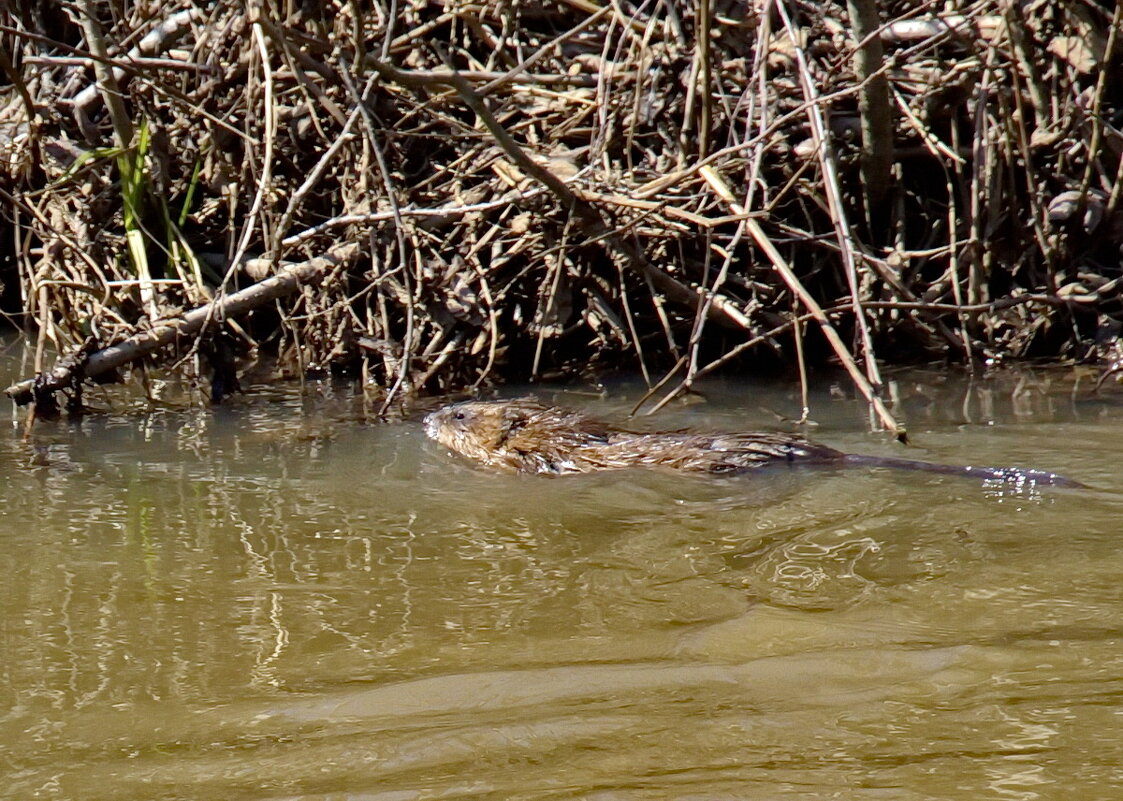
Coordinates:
(524,436)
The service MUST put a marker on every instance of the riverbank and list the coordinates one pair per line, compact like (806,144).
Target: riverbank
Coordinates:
(532,193)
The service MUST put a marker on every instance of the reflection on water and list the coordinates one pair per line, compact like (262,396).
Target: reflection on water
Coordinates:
(282,599)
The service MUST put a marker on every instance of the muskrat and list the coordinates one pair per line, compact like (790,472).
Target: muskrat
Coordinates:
(524,436)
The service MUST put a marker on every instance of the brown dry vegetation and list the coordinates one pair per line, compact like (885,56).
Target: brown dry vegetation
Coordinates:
(540,189)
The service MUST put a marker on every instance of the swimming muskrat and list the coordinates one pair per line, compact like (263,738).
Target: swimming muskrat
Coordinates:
(524,436)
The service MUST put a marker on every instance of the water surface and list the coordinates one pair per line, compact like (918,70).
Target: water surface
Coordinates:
(285,599)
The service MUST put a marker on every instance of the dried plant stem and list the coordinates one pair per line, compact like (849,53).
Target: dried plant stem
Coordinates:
(834,195)
(779,264)
(1096,113)
(106,79)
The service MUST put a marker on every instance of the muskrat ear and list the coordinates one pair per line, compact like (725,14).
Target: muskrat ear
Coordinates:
(515,416)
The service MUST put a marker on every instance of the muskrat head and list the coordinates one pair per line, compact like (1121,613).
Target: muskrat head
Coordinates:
(476,429)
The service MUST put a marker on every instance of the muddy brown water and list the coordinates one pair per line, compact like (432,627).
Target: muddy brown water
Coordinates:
(280,600)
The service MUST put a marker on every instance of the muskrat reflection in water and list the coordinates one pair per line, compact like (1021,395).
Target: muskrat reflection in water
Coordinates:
(524,436)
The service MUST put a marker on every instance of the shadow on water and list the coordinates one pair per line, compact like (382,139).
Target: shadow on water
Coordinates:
(280,600)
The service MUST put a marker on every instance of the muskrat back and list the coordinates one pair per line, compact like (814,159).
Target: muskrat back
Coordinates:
(524,436)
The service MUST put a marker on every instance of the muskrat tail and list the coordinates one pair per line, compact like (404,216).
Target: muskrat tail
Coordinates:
(1009,475)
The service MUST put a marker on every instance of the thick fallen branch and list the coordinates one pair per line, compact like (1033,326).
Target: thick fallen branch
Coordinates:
(165,332)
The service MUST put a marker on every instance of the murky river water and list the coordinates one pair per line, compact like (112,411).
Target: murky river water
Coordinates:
(278,600)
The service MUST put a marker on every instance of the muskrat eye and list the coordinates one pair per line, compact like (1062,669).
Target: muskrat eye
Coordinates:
(459,416)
